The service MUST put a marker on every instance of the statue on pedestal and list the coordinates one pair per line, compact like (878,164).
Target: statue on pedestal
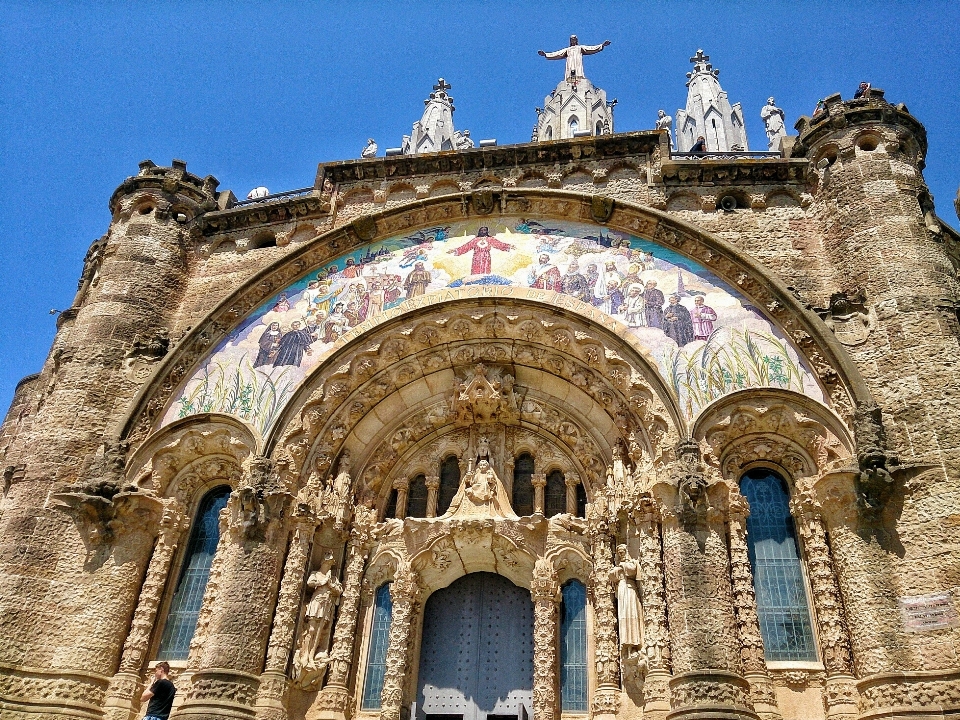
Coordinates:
(772,117)
(665,122)
(309,661)
(629,611)
(574,56)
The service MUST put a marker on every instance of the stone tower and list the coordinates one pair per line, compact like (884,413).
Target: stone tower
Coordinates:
(709,112)
(576,107)
(435,132)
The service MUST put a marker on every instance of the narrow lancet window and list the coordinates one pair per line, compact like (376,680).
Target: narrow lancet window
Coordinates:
(187,598)
(573,647)
(417,497)
(555,500)
(377,656)
(782,603)
(523,485)
(449,483)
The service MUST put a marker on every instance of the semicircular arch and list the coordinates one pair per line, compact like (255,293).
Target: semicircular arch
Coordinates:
(830,367)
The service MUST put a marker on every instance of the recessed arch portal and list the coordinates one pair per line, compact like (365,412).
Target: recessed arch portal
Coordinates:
(555,209)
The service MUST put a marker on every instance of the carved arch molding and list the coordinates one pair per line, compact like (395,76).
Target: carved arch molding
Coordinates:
(565,348)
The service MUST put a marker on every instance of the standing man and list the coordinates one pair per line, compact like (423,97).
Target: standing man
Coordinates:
(160,693)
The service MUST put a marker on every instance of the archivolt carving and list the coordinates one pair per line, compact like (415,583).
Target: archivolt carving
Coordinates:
(185,457)
(780,427)
(367,375)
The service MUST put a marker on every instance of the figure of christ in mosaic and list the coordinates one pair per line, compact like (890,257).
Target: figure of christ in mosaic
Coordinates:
(481,246)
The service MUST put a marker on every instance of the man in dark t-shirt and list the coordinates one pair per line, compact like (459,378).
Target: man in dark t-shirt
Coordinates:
(160,694)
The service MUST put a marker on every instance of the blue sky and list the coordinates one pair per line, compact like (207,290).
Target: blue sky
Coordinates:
(257,93)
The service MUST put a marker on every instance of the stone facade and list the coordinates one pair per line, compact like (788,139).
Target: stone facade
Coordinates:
(834,243)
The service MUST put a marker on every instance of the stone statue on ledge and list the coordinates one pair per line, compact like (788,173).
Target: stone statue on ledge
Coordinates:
(310,663)
(772,117)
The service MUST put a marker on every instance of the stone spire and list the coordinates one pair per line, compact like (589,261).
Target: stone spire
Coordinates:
(435,132)
(708,112)
(576,107)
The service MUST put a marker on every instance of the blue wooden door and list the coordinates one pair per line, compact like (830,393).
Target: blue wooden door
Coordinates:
(476,656)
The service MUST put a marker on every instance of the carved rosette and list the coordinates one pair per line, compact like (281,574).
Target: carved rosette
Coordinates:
(404,594)
(831,623)
(290,597)
(545,590)
(341,652)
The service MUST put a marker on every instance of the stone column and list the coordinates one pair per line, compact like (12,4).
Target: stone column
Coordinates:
(840,693)
(402,486)
(335,701)
(230,659)
(122,696)
(405,595)
(705,652)
(656,686)
(572,482)
(274,684)
(762,691)
(606,699)
(539,482)
(433,494)
(545,591)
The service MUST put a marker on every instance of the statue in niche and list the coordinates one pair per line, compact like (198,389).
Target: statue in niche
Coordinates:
(772,117)
(481,494)
(629,612)
(622,478)
(311,659)
(337,496)
(483,448)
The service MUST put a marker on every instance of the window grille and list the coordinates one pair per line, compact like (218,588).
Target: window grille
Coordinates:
(782,603)
(449,483)
(377,656)
(522,485)
(573,647)
(555,501)
(185,608)
(417,497)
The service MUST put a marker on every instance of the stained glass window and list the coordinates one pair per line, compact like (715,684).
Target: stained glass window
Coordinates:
(417,497)
(782,603)
(522,485)
(573,647)
(187,598)
(555,500)
(379,639)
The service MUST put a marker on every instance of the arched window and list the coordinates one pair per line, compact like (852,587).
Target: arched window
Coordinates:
(555,499)
(599,128)
(574,125)
(377,656)
(523,468)
(185,607)
(390,509)
(581,500)
(549,133)
(449,483)
(782,603)
(417,497)
(573,647)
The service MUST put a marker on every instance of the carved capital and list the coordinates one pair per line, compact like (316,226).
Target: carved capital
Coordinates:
(102,514)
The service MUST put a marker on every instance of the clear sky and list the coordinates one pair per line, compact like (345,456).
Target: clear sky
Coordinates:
(257,93)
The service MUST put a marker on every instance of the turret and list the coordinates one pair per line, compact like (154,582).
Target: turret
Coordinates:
(709,113)
(434,132)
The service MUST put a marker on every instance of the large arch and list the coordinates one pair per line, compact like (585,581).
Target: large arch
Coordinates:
(834,370)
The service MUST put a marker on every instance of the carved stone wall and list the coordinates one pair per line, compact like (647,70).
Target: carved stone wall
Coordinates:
(837,242)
